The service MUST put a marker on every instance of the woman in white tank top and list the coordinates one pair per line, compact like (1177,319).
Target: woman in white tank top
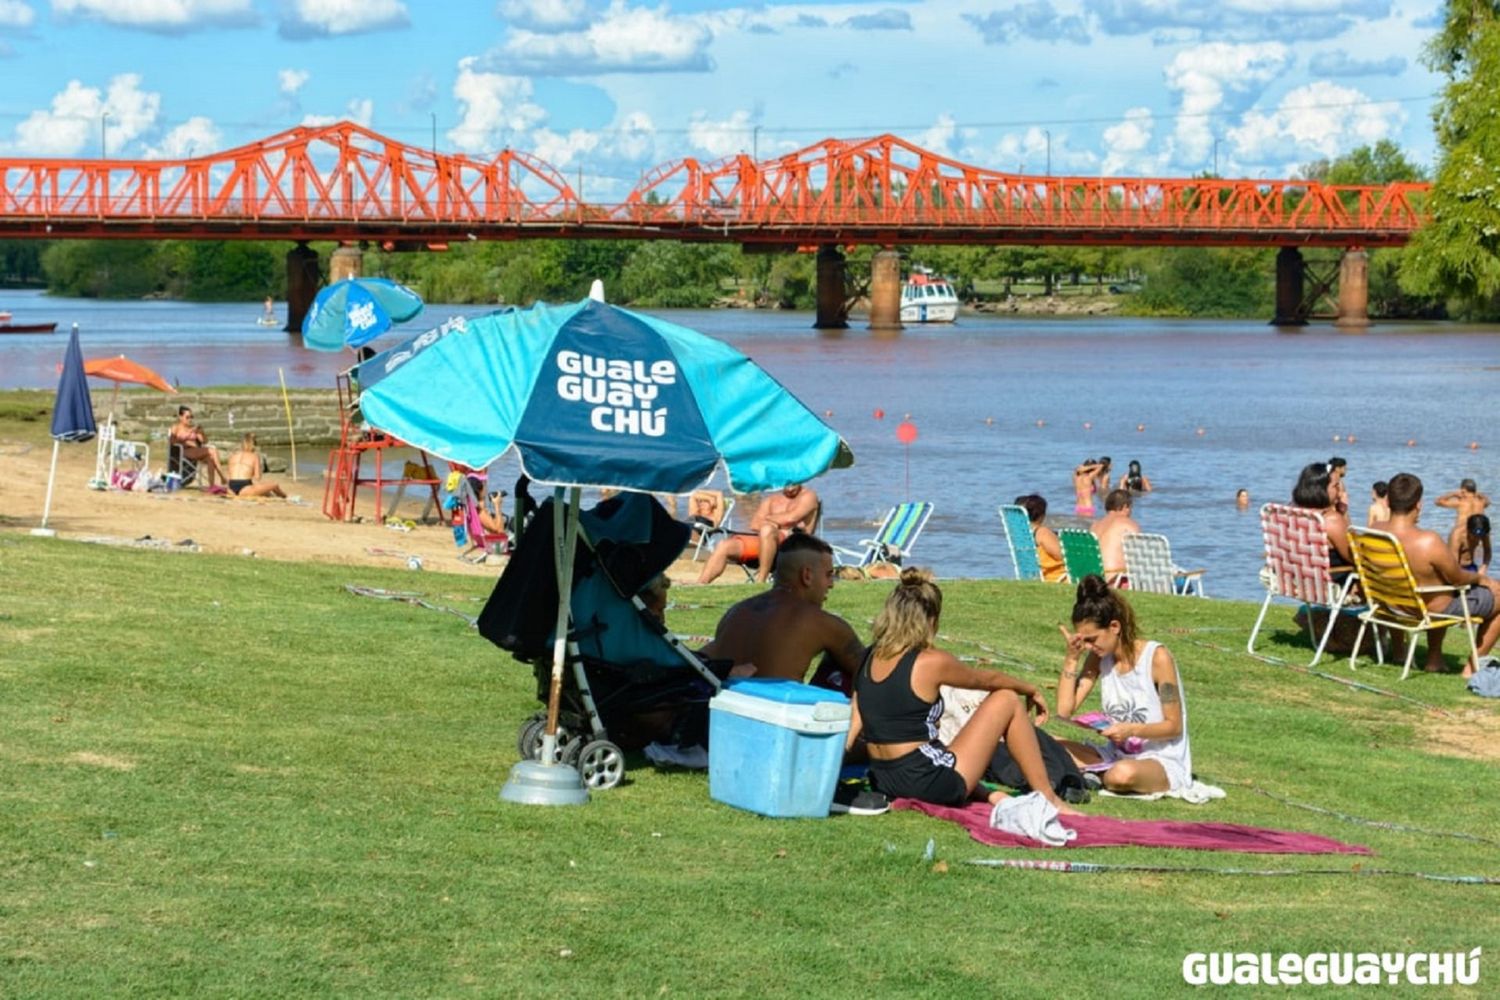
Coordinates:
(1139,688)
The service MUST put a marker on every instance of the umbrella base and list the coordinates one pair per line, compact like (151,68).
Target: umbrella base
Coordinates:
(533,783)
(44,532)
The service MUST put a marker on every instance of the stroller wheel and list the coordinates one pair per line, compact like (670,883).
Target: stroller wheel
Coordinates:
(529,739)
(601,764)
(530,742)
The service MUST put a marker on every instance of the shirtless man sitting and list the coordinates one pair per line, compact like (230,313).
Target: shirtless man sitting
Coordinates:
(1466,501)
(795,506)
(1111,529)
(1433,564)
(783,629)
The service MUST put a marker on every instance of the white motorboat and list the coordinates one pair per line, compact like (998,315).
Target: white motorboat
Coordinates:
(928,298)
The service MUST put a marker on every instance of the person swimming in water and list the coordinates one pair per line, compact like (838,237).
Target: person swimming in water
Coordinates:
(1134,480)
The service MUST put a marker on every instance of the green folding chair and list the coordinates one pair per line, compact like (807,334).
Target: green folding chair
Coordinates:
(1080,553)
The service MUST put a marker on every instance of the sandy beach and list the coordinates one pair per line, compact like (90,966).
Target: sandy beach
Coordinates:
(289,530)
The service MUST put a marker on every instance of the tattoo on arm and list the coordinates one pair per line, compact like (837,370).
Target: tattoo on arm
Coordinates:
(1071,675)
(1168,693)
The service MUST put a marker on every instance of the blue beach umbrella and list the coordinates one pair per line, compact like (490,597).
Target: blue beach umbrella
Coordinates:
(353,312)
(72,415)
(591,395)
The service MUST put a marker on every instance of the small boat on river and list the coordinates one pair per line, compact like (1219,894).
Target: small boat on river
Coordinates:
(6,326)
(928,298)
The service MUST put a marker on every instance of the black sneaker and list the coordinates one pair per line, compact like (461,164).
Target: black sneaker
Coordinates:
(1092,781)
(856,800)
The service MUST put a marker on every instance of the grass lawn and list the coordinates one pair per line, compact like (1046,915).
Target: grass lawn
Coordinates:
(227,777)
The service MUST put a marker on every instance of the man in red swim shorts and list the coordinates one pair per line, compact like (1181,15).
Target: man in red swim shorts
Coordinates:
(795,506)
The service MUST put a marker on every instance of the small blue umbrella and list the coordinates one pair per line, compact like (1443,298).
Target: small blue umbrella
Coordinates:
(353,312)
(590,394)
(72,414)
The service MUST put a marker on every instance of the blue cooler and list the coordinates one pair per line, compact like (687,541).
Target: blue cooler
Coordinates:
(775,746)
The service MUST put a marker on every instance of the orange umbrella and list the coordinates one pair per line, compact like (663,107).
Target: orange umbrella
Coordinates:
(122,369)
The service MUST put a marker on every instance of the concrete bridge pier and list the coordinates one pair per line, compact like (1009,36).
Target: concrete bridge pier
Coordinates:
(833,307)
(1289,291)
(303,276)
(885,293)
(345,262)
(1354,291)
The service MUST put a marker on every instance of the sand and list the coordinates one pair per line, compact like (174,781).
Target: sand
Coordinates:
(292,530)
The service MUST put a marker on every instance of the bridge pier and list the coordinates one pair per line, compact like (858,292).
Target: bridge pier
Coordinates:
(885,293)
(1354,291)
(303,276)
(833,307)
(1289,272)
(345,262)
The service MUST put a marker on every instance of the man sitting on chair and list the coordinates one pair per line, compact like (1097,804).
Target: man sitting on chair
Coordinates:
(1433,564)
(795,506)
(781,630)
(1111,529)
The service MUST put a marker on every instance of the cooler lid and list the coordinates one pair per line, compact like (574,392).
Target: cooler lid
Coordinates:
(783,691)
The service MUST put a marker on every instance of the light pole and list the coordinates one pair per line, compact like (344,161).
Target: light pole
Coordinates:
(755,144)
(103,146)
(434,133)
(1048,134)
(1216,156)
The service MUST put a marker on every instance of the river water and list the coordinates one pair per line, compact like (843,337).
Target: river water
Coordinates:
(1266,402)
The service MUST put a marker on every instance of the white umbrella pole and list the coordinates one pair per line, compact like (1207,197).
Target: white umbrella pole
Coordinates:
(47,507)
(564,544)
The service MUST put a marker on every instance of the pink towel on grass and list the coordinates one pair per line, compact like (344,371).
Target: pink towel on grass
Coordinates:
(1105,831)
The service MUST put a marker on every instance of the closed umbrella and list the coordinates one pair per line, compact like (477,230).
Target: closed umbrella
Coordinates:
(589,394)
(353,312)
(72,416)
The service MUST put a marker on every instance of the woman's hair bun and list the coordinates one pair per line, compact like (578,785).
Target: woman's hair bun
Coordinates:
(915,576)
(1092,588)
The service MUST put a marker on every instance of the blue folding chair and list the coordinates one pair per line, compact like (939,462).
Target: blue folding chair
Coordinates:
(1022,541)
(893,542)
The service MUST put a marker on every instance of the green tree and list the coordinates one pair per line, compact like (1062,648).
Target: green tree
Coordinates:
(1457,254)
(676,275)
(1204,281)
(104,269)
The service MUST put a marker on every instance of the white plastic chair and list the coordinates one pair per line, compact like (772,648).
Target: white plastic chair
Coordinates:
(1149,566)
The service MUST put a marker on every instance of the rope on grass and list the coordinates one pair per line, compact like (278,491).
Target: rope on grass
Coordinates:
(1095,868)
(1308,671)
(1378,824)
(406,597)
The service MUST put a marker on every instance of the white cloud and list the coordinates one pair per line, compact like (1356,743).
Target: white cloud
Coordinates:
(73,122)
(545,15)
(1320,119)
(195,137)
(559,149)
(1216,79)
(166,16)
(493,108)
(1125,143)
(325,18)
(289,81)
(14,14)
(361,111)
(1240,20)
(722,138)
(622,40)
(939,138)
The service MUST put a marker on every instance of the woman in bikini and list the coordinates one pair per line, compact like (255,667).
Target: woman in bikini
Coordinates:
(245,471)
(189,437)
(1473,547)
(1312,492)
(897,706)
(1084,477)
(1140,689)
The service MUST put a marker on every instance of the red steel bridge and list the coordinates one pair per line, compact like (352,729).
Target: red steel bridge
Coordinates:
(348,183)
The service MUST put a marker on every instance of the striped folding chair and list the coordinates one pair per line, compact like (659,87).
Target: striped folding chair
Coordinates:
(1394,599)
(1297,569)
(893,542)
(1149,566)
(1021,540)
(1080,553)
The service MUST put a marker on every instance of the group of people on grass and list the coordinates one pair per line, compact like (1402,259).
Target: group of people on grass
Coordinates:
(896,682)
(1459,560)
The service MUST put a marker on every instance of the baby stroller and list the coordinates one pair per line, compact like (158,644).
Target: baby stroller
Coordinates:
(622,661)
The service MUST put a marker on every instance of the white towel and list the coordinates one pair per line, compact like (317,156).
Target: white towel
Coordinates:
(1032,817)
(1197,793)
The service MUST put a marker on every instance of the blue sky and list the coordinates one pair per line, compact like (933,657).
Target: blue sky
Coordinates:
(609,89)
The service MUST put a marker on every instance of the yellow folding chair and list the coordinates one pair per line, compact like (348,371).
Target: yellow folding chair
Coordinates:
(1394,600)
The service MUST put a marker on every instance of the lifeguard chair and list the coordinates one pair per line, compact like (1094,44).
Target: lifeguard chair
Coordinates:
(343,479)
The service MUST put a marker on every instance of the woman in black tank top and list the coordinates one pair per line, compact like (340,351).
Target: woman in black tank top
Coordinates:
(897,706)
